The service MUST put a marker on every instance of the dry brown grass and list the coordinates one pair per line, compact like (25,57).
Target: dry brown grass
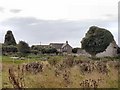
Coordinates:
(65,74)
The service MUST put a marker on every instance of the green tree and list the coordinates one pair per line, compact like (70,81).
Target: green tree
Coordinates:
(96,40)
(33,47)
(34,52)
(48,50)
(43,50)
(51,50)
(23,48)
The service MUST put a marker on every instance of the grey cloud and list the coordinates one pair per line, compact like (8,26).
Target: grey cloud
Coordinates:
(34,30)
(15,10)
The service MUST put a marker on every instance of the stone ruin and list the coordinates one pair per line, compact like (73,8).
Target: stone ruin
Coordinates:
(9,38)
(100,42)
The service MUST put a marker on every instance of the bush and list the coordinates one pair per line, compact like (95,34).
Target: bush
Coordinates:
(23,48)
(48,50)
(9,49)
(35,52)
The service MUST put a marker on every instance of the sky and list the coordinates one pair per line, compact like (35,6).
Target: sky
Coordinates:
(48,21)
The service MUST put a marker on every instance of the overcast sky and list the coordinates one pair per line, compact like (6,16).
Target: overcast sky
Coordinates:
(47,21)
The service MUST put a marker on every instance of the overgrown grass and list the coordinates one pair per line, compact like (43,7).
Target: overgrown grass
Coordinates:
(47,78)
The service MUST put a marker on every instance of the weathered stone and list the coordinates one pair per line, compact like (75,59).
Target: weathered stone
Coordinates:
(9,38)
(110,51)
(99,42)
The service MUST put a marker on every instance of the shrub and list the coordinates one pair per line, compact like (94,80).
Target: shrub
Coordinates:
(35,52)
(48,50)
(23,48)
(9,49)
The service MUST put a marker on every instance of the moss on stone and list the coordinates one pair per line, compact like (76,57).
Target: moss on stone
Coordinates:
(96,40)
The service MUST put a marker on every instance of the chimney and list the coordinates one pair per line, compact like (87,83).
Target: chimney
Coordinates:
(66,42)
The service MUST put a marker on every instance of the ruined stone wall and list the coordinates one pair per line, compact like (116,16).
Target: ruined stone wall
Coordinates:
(110,51)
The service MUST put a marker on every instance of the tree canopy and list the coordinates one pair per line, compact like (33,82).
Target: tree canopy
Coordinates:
(23,48)
(96,40)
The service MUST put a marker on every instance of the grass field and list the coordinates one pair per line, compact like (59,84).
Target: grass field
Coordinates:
(60,72)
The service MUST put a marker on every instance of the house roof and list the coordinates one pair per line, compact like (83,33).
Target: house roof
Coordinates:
(54,45)
(64,45)
(57,45)
(42,46)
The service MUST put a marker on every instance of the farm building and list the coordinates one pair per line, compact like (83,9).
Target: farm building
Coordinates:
(62,47)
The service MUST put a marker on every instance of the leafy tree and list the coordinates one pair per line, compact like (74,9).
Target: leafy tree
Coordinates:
(23,48)
(43,50)
(9,38)
(51,50)
(35,52)
(33,47)
(96,40)
(48,50)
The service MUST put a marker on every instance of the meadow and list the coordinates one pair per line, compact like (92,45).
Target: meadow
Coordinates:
(68,71)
